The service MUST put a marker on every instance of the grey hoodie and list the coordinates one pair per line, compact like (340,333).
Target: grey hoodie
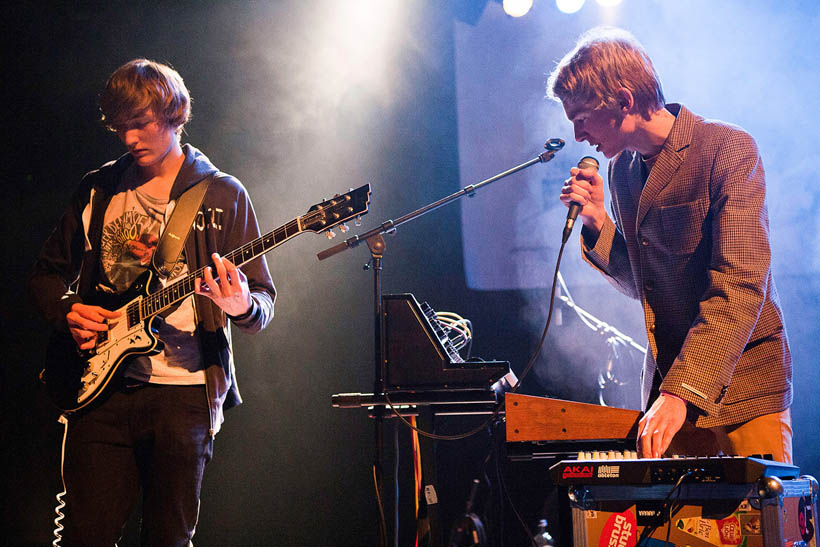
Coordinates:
(68,267)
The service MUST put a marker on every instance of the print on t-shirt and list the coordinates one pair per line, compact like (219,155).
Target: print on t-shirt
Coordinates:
(130,240)
(128,245)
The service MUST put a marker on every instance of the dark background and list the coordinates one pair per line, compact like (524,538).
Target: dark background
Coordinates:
(288,469)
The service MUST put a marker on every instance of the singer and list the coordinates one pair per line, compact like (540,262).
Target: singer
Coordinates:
(688,238)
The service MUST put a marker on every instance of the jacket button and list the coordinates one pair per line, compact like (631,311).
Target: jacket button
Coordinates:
(644,242)
(649,285)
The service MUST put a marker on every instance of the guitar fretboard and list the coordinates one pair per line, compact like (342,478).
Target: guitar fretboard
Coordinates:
(322,216)
(167,296)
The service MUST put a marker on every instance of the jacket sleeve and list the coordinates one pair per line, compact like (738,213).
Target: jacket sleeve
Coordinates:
(738,276)
(608,253)
(58,266)
(242,227)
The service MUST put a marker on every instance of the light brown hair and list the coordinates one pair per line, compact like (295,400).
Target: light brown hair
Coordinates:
(604,60)
(141,85)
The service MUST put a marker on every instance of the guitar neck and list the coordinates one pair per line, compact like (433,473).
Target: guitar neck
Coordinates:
(166,297)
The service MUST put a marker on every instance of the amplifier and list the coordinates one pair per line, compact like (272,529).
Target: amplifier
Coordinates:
(689,502)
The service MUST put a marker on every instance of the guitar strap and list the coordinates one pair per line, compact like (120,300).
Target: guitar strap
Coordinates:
(179,227)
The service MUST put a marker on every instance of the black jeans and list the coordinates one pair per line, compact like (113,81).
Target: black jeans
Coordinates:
(152,436)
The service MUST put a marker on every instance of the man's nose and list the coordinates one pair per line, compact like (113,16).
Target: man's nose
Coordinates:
(129,137)
(580,134)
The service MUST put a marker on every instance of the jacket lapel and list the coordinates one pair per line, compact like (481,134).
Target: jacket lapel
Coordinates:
(669,159)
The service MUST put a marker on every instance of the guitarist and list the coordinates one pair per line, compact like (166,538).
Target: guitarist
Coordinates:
(154,429)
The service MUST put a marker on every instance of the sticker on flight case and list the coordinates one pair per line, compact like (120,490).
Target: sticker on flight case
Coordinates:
(619,531)
(729,530)
(805,518)
(722,533)
(650,512)
(700,528)
(750,525)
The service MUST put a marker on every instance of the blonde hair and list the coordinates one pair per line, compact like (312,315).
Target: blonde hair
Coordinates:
(141,85)
(604,60)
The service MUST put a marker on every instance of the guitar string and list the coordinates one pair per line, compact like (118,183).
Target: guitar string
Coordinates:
(160,300)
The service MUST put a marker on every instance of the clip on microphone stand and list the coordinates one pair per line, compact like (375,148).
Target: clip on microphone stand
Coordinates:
(375,242)
(614,337)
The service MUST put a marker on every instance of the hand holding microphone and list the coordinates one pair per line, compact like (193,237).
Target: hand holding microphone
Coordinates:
(587,162)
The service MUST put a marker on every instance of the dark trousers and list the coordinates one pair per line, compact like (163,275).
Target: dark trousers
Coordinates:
(154,437)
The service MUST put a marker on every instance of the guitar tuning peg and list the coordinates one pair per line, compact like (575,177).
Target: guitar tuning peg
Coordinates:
(358,221)
(344,228)
(330,234)
(350,189)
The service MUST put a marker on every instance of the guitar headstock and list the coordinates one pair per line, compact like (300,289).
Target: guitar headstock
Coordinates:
(332,212)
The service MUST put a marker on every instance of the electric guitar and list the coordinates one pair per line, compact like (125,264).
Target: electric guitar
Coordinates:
(75,378)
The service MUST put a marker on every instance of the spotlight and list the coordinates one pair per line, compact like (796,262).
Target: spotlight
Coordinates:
(516,8)
(569,6)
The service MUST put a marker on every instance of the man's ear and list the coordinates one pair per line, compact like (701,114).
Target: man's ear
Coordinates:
(626,102)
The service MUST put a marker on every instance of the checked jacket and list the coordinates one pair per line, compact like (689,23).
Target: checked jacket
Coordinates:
(692,245)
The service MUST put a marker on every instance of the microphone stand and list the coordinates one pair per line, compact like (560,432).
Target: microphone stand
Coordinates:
(613,335)
(375,242)
(593,322)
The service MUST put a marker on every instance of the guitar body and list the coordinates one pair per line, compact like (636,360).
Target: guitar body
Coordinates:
(75,378)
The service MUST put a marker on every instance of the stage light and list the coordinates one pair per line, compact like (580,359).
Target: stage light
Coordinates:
(608,3)
(516,8)
(569,6)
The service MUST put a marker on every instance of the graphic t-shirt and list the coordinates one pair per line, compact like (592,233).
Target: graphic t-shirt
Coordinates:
(131,230)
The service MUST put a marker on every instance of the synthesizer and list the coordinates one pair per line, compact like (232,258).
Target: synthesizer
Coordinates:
(644,471)
(419,355)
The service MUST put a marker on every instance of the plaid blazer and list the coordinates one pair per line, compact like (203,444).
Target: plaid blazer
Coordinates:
(693,246)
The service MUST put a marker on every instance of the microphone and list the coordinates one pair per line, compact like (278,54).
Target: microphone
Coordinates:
(575,207)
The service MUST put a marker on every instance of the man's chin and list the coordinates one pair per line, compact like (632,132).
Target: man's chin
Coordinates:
(599,149)
(145,160)
(608,154)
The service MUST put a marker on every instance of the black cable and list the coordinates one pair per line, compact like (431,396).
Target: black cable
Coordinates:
(665,508)
(518,517)
(380,505)
(488,510)
(678,507)
(503,493)
(396,486)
